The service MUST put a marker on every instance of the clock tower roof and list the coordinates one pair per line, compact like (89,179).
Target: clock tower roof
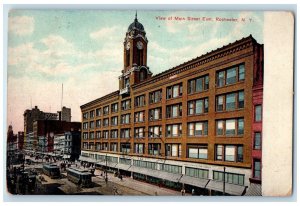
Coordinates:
(135,25)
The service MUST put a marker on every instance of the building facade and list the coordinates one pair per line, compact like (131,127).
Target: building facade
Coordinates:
(189,126)
(67,145)
(257,101)
(31,115)
(12,140)
(45,131)
(20,140)
(35,114)
(65,114)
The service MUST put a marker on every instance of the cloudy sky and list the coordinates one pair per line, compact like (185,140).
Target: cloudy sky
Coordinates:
(83,50)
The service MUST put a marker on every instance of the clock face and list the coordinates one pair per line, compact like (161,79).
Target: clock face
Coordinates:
(128,45)
(139,45)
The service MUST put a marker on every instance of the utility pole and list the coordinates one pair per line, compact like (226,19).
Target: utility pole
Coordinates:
(106,168)
(224,181)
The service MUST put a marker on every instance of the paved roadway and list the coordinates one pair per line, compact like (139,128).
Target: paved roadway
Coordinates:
(127,186)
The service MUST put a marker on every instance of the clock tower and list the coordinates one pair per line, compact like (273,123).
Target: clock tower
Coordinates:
(135,57)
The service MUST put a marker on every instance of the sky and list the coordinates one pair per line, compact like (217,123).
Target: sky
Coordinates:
(83,50)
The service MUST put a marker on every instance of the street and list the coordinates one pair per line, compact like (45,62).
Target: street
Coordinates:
(114,186)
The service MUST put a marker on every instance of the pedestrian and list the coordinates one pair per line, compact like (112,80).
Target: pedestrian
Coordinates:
(183,192)
(115,190)
(193,192)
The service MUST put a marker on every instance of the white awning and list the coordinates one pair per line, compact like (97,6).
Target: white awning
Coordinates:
(198,182)
(87,159)
(156,173)
(169,176)
(109,164)
(229,188)
(123,166)
(141,170)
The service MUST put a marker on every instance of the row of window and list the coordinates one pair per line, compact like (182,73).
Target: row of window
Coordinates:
(237,179)
(223,126)
(228,153)
(232,178)
(226,102)
(174,149)
(228,127)
(224,77)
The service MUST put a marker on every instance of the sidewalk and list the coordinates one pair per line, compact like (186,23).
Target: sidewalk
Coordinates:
(143,187)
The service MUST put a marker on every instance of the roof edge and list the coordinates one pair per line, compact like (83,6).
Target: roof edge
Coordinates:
(115,93)
(198,59)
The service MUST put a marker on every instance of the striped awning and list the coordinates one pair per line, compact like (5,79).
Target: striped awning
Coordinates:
(229,188)
(254,190)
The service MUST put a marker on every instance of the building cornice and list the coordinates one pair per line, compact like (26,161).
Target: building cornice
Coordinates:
(101,99)
(226,50)
(139,90)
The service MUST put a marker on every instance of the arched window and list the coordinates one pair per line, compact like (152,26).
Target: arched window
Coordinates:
(139,56)
(142,74)
(127,57)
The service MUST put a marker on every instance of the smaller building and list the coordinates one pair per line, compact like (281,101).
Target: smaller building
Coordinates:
(257,125)
(29,142)
(35,114)
(73,144)
(55,138)
(67,145)
(20,140)
(12,138)
(65,114)
(12,154)
(58,146)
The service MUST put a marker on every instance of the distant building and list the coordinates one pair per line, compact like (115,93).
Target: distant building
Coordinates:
(11,147)
(30,116)
(20,140)
(72,145)
(65,114)
(67,145)
(59,144)
(44,132)
(12,140)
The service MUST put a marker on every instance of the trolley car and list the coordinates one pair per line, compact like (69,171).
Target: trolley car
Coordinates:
(79,177)
(51,170)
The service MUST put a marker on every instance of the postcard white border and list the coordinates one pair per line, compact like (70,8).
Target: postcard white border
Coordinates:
(184,7)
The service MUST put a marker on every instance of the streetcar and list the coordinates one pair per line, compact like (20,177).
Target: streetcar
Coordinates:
(51,170)
(79,177)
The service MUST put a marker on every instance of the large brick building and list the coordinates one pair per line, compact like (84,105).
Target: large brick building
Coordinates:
(182,127)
